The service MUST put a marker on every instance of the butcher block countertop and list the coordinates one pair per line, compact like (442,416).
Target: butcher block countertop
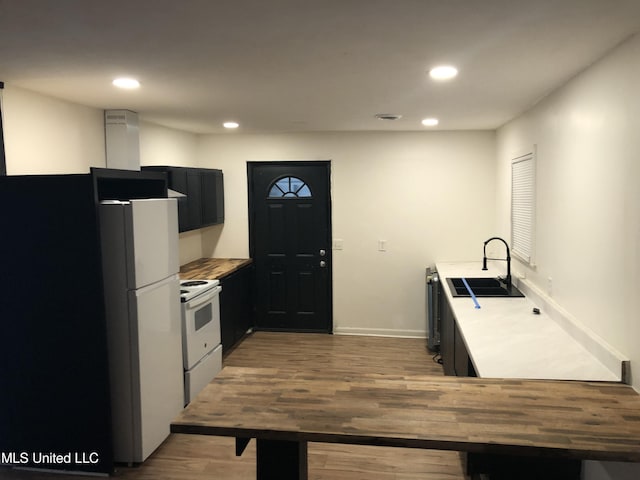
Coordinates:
(575,420)
(212,268)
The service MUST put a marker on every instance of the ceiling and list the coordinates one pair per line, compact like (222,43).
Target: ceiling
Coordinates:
(307,65)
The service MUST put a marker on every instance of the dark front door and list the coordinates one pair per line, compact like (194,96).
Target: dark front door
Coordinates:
(290,242)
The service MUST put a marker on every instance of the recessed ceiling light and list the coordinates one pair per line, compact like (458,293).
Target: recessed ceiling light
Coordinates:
(443,72)
(430,122)
(128,83)
(230,124)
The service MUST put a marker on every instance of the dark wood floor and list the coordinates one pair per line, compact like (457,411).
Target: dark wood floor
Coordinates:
(192,457)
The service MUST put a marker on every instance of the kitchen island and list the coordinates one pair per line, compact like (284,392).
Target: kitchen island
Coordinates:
(284,409)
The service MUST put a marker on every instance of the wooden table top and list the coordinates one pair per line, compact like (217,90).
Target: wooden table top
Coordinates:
(578,420)
(212,268)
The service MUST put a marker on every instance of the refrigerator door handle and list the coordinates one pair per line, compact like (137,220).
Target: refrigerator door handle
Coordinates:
(175,278)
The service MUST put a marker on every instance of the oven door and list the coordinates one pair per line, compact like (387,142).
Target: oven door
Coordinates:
(200,326)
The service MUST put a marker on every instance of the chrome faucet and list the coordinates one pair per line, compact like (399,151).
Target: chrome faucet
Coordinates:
(508,260)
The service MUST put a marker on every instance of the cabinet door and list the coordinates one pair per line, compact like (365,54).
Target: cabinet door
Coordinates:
(210,198)
(219,197)
(460,355)
(236,306)
(244,285)
(178,182)
(194,201)
(447,336)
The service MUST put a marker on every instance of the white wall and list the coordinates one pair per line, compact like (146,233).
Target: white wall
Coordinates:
(166,146)
(45,135)
(588,226)
(430,195)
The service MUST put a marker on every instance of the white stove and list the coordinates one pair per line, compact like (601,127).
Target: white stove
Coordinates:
(189,289)
(201,339)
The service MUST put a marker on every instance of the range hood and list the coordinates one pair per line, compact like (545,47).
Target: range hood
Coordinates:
(122,140)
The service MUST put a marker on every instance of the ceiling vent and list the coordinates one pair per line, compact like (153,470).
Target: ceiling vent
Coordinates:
(122,139)
(388,116)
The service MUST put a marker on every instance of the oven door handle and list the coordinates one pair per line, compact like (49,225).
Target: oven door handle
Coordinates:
(204,298)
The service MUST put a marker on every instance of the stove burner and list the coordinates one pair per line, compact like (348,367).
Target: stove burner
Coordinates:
(193,283)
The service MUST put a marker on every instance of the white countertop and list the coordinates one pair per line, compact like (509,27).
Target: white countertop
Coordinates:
(505,339)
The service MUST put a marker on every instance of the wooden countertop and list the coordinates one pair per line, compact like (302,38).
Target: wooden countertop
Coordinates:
(576,420)
(212,268)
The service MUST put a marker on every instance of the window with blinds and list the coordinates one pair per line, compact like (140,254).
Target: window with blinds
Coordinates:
(523,206)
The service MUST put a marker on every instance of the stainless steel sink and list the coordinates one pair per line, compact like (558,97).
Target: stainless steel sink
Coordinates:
(482,287)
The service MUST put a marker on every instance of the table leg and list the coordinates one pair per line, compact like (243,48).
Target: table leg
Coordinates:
(281,460)
(241,445)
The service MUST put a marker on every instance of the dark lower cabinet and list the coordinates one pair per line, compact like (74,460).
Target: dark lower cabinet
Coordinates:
(447,336)
(461,359)
(455,358)
(509,467)
(236,306)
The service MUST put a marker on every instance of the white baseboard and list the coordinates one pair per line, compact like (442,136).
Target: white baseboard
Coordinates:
(380,332)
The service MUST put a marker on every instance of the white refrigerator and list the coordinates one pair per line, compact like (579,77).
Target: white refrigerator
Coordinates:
(139,241)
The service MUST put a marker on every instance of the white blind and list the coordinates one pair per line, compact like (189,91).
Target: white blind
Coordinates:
(523,202)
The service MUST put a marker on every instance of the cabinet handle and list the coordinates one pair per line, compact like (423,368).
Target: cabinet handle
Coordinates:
(323,252)
(323,264)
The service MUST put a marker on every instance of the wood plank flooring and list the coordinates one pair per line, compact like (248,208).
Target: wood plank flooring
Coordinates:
(194,457)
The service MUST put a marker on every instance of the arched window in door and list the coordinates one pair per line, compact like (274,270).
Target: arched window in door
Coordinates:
(289,187)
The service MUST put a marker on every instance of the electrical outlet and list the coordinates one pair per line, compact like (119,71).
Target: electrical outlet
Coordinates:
(337,244)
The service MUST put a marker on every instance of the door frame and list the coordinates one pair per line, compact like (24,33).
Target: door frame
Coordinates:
(251,215)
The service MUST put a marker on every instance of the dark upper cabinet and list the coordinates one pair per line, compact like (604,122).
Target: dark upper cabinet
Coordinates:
(194,199)
(177,179)
(204,190)
(212,197)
